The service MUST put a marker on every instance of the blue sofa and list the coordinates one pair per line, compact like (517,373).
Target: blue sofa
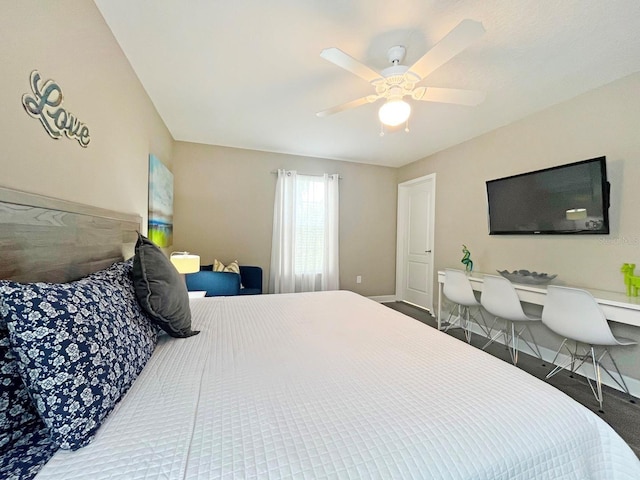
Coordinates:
(224,284)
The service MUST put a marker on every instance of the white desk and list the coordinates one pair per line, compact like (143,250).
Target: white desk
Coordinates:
(617,307)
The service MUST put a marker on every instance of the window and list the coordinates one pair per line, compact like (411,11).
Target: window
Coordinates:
(310,225)
(304,254)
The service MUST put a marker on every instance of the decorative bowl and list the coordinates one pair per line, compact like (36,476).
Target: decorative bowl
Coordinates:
(525,276)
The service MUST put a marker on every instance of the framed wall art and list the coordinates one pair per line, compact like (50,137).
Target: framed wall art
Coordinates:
(160,229)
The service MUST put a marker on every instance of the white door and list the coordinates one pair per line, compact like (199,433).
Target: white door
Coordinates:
(414,266)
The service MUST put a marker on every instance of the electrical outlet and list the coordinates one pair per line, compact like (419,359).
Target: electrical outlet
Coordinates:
(359,279)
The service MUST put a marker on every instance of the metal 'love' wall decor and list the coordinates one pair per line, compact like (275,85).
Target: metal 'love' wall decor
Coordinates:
(45,104)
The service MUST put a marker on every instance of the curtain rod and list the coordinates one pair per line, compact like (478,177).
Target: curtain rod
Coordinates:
(275,172)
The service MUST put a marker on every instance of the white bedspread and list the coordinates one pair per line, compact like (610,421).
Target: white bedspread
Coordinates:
(333,385)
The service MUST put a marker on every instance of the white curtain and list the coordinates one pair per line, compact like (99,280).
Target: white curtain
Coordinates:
(304,249)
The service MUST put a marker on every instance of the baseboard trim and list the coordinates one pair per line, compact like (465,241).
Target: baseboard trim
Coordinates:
(419,307)
(585,370)
(393,298)
(383,298)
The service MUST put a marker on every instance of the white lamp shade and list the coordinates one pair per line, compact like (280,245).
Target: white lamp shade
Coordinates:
(394,112)
(576,214)
(185,262)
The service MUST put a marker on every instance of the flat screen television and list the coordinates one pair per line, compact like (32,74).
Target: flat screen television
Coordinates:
(567,199)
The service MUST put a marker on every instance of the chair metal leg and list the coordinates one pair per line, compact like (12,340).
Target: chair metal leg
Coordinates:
(462,321)
(561,366)
(582,357)
(483,324)
(535,349)
(558,352)
(512,340)
(513,350)
(467,324)
(615,365)
(621,383)
(493,325)
(496,335)
(449,323)
(574,355)
(598,379)
(577,360)
(571,363)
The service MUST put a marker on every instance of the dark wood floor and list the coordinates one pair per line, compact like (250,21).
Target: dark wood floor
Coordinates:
(619,412)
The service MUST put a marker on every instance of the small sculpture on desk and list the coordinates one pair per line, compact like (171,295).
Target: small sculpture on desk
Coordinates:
(630,280)
(466,259)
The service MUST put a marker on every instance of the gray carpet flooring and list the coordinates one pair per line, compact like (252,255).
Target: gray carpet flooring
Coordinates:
(618,411)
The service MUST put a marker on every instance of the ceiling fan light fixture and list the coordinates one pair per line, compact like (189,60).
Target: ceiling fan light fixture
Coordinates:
(394,112)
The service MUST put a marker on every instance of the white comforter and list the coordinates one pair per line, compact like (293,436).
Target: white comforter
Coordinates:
(333,385)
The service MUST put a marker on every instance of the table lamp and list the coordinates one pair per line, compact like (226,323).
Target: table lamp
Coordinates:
(185,262)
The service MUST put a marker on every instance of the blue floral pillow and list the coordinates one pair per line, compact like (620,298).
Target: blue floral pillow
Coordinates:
(17,414)
(79,347)
(24,459)
(24,440)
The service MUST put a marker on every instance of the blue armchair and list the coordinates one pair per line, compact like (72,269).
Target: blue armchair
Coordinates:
(251,278)
(218,284)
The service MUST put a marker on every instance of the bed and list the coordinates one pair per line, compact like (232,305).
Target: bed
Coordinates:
(334,385)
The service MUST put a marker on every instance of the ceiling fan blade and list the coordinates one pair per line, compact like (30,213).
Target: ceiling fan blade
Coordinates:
(463,35)
(449,95)
(341,59)
(348,105)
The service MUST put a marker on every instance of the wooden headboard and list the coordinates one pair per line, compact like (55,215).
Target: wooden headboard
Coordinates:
(45,239)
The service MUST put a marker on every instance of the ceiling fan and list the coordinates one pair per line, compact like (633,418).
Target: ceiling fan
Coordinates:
(398,81)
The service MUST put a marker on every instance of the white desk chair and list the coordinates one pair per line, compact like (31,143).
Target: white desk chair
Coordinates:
(457,288)
(501,300)
(575,315)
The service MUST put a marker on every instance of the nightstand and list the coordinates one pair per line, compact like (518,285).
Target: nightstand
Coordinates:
(197,294)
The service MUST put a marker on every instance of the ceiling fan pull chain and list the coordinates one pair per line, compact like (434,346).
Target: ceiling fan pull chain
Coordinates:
(406,126)
(381,129)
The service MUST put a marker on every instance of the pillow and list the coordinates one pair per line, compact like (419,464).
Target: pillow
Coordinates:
(18,416)
(16,410)
(27,455)
(232,267)
(79,347)
(24,439)
(161,290)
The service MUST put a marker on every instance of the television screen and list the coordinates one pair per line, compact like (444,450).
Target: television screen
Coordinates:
(568,199)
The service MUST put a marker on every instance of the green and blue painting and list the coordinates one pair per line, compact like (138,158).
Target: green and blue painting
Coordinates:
(160,229)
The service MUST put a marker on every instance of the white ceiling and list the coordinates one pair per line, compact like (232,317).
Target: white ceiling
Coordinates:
(248,73)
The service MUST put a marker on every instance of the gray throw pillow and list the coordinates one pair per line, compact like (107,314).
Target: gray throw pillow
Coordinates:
(161,290)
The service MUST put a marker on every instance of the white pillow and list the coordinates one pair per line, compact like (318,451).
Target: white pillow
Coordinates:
(220,267)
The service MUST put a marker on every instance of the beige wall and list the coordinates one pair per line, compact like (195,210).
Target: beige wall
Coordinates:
(69,42)
(228,216)
(224,197)
(224,209)
(602,122)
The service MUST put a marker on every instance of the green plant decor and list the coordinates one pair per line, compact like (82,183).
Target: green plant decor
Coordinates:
(466,259)
(630,280)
